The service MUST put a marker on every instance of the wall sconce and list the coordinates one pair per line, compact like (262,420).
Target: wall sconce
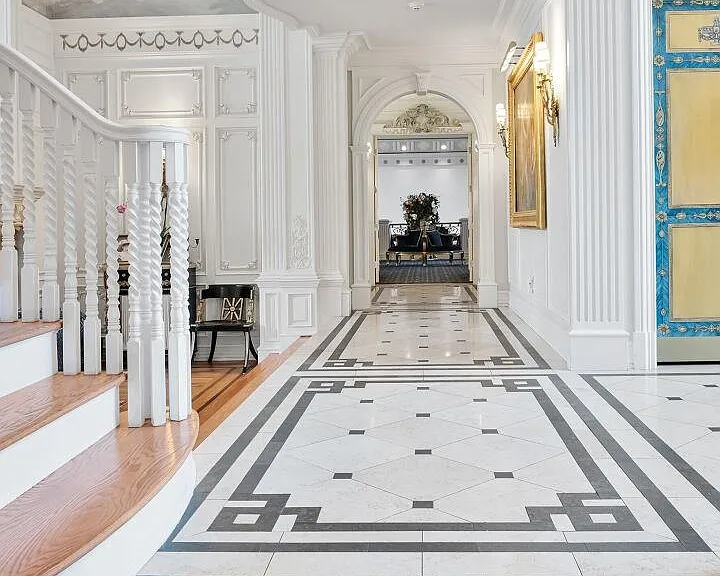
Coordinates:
(551,105)
(501,119)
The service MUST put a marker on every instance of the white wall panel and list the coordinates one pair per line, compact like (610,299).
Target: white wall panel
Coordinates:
(236,184)
(90,86)
(236,91)
(168,93)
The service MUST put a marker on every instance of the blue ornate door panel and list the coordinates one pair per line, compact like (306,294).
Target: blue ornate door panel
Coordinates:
(687,178)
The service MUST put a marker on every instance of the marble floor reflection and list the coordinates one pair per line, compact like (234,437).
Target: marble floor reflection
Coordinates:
(426,436)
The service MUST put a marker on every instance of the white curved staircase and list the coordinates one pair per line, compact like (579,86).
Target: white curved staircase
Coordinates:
(82,490)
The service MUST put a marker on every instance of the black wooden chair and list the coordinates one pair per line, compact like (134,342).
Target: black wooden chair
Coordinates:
(237,315)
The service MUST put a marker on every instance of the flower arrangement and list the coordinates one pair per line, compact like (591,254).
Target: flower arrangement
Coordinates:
(419,209)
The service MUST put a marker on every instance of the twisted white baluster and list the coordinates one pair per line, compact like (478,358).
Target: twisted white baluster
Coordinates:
(71,305)
(157,328)
(179,345)
(50,287)
(92,327)
(30,274)
(135,350)
(113,340)
(8,253)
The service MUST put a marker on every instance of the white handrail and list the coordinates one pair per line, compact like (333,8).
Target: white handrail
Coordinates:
(76,107)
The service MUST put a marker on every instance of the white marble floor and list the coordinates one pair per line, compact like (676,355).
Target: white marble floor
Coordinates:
(428,437)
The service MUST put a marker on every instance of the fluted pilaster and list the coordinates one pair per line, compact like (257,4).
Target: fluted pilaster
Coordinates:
(599,121)
(272,145)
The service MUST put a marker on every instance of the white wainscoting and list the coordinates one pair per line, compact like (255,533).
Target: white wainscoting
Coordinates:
(92,87)
(237,222)
(236,91)
(163,93)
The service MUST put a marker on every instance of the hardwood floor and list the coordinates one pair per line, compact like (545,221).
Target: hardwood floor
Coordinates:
(219,388)
(74,509)
(13,332)
(29,409)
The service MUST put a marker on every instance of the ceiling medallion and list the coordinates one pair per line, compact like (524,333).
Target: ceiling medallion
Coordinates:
(423,119)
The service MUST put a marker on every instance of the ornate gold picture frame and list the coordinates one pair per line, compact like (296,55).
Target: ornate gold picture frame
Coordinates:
(526,136)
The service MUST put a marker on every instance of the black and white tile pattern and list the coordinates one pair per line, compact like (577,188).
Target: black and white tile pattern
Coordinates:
(349,462)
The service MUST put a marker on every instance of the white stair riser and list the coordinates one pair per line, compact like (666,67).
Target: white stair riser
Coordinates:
(143,534)
(47,449)
(26,362)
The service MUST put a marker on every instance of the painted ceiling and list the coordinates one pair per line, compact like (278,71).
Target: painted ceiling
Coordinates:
(61,9)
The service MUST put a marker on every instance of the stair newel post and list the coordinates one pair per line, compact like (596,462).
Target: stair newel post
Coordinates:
(50,286)
(179,354)
(138,382)
(113,338)
(71,304)
(30,273)
(8,252)
(154,255)
(92,327)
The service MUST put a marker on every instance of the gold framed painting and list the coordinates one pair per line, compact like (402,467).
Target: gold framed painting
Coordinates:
(526,135)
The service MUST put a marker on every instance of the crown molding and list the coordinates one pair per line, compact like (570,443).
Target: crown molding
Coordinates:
(423,57)
(521,21)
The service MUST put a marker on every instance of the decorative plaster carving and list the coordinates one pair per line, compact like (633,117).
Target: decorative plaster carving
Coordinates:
(100,98)
(160,40)
(422,83)
(423,119)
(300,244)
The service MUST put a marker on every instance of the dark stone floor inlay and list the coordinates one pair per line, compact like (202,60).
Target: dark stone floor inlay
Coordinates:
(423,504)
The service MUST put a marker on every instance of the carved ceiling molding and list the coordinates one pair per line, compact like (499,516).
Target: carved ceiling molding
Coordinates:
(160,40)
(423,119)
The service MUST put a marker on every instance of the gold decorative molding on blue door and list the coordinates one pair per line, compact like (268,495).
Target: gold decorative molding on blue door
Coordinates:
(687,155)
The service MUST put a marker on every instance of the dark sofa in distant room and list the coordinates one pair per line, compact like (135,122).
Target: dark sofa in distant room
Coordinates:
(443,241)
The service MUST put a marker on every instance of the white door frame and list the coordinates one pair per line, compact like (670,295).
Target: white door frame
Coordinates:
(363,211)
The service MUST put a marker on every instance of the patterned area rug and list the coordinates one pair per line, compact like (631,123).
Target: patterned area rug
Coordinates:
(436,272)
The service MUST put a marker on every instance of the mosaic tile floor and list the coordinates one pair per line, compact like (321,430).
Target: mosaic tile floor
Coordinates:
(428,437)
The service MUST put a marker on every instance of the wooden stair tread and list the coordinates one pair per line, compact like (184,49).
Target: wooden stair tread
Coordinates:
(14,332)
(70,512)
(26,410)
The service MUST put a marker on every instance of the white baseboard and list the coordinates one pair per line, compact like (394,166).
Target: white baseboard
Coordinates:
(129,548)
(599,348)
(549,326)
(47,449)
(26,362)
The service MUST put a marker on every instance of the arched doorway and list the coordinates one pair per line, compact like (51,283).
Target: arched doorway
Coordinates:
(377,99)
(422,147)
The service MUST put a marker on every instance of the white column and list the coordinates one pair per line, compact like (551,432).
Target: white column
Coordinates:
(71,305)
(332,186)
(157,324)
(179,353)
(362,229)
(92,327)
(113,338)
(599,145)
(484,226)
(50,286)
(272,176)
(644,266)
(8,253)
(135,172)
(8,21)
(288,281)
(30,274)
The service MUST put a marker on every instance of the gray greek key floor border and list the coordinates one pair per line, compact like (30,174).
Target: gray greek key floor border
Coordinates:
(688,540)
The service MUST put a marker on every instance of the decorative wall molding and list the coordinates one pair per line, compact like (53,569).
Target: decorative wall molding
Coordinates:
(161,40)
(92,87)
(236,201)
(300,244)
(236,90)
(142,89)
(423,119)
